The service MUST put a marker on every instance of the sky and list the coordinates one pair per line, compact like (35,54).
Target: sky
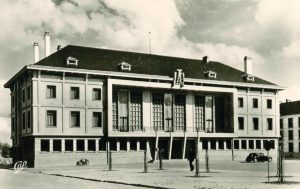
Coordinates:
(225,30)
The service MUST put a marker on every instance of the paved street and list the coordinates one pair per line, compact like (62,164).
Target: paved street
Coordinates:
(175,174)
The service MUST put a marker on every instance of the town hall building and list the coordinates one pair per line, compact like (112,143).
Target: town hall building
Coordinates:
(81,102)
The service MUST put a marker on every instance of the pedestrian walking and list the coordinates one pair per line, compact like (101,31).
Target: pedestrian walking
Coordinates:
(191,158)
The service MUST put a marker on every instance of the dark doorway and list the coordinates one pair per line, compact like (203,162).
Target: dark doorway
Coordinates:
(177,148)
(163,144)
(190,144)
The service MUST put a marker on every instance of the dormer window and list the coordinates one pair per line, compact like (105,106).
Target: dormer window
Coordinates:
(71,61)
(124,66)
(248,77)
(210,74)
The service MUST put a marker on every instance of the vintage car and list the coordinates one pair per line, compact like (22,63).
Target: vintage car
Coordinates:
(82,162)
(258,157)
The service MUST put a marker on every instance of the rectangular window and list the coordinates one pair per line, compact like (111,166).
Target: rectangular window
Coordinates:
(23,120)
(255,123)
(212,144)
(69,145)
(158,111)
(241,123)
(179,112)
(290,122)
(240,102)
(96,94)
(51,91)
(75,119)
(28,119)
(228,144)
(102,145)
(23,95)
(270,123)
(74,93)
(136,113)
(200,112)
(258,144)
(221,144)
(91,145)
(255,103)
(45,146)
(97,119)
(143,144)
(236,144)
(269,103)
(244,144)
(251,144)
(28,92)
(291,135)
(133,145)
(281,123)
(205,145)
(272,142)
(51,118)
(57,145)
(79,145)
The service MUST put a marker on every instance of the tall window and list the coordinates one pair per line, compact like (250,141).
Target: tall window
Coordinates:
(290,122)
(240,102)
(241,123)
(51,118)
(255,123)
(136,100)
(269,103)
(97,119)
(23,120)
(23,95)
(28,119)
(270,123)
(179,112)
(115,110)
(291,135)
(255,103)
(200,112)
(74,93)
(91,145)
(75,119)
(51,91)
(96,94)
(258,144)
(158,111)
(28,92)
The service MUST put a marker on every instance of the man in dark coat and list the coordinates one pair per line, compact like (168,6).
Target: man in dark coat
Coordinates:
(191,157)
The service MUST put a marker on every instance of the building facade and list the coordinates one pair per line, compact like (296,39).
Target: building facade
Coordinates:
(290,126)
(82,102)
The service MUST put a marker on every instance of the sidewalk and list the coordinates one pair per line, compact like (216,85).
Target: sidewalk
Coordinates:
(176,175)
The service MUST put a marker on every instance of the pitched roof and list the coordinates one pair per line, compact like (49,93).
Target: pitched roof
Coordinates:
(109,60)
(290,108)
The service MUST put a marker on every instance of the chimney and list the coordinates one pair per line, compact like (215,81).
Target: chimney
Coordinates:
(248,65)
(47,43)
(36,52)
(58,47)
(205,59)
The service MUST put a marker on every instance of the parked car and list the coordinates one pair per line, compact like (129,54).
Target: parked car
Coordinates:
(258,157)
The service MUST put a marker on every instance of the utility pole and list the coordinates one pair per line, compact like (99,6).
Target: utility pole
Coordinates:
(197,172)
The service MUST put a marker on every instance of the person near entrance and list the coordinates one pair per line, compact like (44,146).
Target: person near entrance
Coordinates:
(191,158)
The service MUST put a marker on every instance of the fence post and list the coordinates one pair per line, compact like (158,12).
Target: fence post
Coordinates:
(207,161)
(197,172)
(109,161)
(145,162)
(160,154)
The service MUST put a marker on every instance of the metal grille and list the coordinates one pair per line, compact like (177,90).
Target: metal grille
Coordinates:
(115,110)
(200,113)
(136,100)
(158,111)
(179,112)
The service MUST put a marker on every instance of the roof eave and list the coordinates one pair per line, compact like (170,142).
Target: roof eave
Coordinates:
(7,84)
(159,77)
